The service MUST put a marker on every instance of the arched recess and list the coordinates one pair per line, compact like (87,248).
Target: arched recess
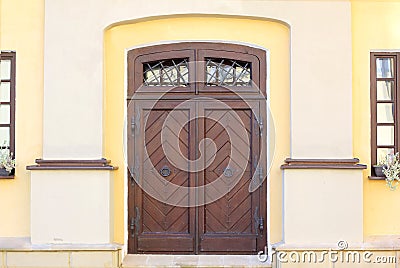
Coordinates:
(270,35)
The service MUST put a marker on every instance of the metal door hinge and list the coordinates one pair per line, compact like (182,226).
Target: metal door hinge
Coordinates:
(134,172)
(133,125)
(134,223)
(134,175)
(258,223)
(260,126)
(260,174)
(258,171)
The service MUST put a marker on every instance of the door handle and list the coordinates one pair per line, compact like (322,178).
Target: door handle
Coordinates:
(228,172)
(165,171)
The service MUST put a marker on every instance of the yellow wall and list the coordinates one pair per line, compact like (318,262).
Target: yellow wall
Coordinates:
(21,29)
(375,26)
(268,34)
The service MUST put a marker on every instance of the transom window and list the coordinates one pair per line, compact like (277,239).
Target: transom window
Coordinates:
(172,72)
(384,105)
(7,100)
(196,68)
(227,72)
(218,72)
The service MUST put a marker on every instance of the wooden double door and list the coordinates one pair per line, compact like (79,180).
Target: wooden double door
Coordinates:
(191,165)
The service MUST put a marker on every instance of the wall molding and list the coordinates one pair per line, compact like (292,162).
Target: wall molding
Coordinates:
(353,163)
(95,164)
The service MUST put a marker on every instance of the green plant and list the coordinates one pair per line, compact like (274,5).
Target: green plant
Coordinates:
(391,169)
(6,159)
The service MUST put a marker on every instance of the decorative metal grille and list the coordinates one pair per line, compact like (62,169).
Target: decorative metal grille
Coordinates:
(171,72)
(226,72)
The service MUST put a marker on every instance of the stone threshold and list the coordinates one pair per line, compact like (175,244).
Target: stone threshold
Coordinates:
(149,260)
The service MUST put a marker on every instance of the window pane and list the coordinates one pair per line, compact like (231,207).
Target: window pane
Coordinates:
(211,74)
(381,153)
(385,113)
(151,76)
(173,72)
(5,69)
(5,92)
(4,114)
(384,68)
(384,90)
(227,72)
(385,135)
(244,74)
(4,136)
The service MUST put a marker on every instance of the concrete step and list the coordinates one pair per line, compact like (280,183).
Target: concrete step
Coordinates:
(142,260)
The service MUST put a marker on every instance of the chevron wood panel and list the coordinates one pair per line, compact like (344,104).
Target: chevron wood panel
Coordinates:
(232,213)
(159,217)
(225,225)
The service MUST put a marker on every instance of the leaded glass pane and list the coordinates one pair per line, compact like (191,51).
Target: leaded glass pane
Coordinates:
(226,72)
(173,72)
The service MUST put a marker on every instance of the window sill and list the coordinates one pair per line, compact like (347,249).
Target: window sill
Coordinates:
(376,178)
(97,164)
(10,177)
(322,164)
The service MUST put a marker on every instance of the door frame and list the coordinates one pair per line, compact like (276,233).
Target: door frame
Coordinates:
(269,129)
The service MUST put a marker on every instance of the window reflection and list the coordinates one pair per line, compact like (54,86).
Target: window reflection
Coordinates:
(383,152)
(5,69)
(5,114)
(173,72)
(385,113)
(384,90)
(384,67)
(226,72)
(4,136)
(385,135)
